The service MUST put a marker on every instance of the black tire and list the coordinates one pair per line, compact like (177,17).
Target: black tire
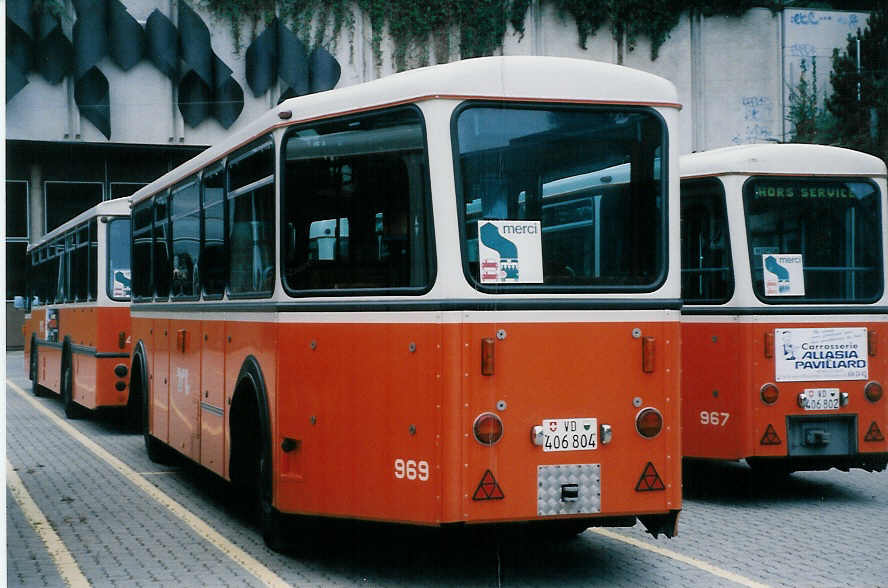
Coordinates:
(34,369)
(271,521)
(134,411)
(72,409)
(157,451)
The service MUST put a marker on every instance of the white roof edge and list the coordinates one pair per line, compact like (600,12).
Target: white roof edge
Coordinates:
(116,207)
(509,77)
(782,158)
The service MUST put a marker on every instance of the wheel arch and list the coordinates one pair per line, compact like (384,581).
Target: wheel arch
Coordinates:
(139,373)
(249,400)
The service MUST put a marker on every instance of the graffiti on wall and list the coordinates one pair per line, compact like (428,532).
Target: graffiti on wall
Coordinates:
(758,120)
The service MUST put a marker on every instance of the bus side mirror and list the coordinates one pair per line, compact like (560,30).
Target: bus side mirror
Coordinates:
(19,302)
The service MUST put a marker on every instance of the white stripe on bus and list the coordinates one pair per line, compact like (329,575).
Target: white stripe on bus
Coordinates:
(418,317)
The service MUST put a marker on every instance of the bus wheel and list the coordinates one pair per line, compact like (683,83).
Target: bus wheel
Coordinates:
(33,369)
(72,409)
(270,519)
(134,411)
(156,450)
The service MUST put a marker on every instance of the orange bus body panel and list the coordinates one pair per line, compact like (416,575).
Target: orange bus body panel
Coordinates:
(352,399)
(91,332)
(709,366)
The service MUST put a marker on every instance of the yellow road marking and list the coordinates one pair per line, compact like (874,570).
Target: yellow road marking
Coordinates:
(159,473)
(64,561)
(691,561)
(238,555)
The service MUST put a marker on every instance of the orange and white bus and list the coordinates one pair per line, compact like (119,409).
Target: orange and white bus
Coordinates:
(785,316)
(322,325)
(77,338)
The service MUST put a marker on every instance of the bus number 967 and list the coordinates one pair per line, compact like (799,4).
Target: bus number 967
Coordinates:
(714,418)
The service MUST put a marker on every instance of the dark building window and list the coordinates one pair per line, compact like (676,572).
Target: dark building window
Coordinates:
(16,238)
(65,200)
(124,189)
(15,268)
(16,210)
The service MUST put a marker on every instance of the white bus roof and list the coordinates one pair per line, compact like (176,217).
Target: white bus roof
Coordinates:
(529,78)
(116,207)
(781,159)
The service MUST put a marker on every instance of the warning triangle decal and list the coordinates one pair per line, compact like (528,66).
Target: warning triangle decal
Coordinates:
(650,480)
(770,437)
(488,489)
(874,433)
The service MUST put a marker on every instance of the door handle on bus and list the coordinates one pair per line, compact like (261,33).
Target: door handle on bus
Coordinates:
(181,340)
(648,346)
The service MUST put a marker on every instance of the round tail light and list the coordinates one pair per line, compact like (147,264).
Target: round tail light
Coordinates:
(769,393)
(488,428)
(873,391)
(648,422)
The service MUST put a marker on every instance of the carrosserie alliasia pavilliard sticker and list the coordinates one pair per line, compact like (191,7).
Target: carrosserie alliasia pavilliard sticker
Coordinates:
(809,355)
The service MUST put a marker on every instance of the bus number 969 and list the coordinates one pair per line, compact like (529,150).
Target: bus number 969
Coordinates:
(412,469)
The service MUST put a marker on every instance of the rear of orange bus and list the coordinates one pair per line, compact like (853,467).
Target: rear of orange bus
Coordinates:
(785,323)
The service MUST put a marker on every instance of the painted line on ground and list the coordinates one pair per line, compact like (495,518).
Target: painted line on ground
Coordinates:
(238,555)
(691,561)
(64,561)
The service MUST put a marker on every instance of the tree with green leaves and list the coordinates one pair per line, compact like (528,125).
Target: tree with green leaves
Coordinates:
(859,100)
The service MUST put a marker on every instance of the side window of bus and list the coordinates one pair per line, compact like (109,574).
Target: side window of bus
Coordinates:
(119,278)
(79,257)
(94,258)
(355,192)
(185,221)
(143,280)
(45,268)
(706,269)
(161,247)
(212,256)
(62,283)
(251,220)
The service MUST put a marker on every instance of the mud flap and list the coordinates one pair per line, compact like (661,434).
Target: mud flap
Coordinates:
(665,523)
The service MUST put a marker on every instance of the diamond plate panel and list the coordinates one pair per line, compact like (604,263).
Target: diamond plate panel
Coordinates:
(552,478)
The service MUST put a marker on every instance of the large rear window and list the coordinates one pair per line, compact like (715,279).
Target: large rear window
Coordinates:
(814,240)
(561,198)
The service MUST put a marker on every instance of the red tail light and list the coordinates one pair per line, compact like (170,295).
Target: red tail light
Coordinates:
(769,393)
(488,428)
(648,422)
(873,391)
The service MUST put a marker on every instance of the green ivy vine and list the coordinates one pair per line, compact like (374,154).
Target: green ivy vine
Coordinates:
(416,27)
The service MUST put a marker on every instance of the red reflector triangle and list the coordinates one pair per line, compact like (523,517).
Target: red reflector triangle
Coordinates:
(770,437)
(650,480)
(874,433)
(488,489)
